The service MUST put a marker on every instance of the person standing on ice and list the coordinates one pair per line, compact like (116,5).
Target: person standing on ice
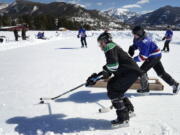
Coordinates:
(82,35)
(16,34)
(23,31)
(150,53)
(125,72)
(168,37)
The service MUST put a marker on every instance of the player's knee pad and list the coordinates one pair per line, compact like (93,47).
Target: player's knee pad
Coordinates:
(128,104)
(118,103)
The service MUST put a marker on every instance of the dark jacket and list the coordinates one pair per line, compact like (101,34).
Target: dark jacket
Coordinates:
(118,61)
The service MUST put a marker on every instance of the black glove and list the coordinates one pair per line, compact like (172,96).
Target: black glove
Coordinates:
(163,38)
(92,79)
(131,51)
(77,36)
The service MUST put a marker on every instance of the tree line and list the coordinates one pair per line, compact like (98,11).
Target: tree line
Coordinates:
(42,22)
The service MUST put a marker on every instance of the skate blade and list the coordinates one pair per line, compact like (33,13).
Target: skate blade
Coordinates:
(131,115)
(177,91)
(104,110)
(144,94)
(114,126)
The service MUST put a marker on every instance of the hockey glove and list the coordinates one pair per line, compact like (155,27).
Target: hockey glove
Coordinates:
(92,79)
(131,51)
(163,38)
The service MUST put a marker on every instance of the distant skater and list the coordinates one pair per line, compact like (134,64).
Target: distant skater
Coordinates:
(168,38)
(16,34)
(82,35)
(23,32)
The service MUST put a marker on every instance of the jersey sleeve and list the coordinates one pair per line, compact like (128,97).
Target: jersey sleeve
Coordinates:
(134,45)
(144,52)
(112,63)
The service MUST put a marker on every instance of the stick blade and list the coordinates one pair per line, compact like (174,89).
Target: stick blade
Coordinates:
(104,110)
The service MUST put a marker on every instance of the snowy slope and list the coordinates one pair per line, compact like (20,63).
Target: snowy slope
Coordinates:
(121,14)
(3,5)
(35,68)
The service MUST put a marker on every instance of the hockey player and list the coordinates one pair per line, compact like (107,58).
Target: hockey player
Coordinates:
(82,35)
(151,55)
(168,38)
(125,72)
(16,34)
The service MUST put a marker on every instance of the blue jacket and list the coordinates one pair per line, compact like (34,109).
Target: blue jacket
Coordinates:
(40,35)
(169,34)
(147,49)
(82,32)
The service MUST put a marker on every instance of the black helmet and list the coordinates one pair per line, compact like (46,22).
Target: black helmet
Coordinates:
(138,30)
(168,26)
(105,36)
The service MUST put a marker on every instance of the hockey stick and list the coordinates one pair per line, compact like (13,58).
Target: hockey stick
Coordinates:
(53,98)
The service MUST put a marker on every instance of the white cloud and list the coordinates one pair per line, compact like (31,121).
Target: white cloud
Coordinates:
(77,2)
(132,6)
(60,0)
(81,5)
(74,1)
(88,4)
(143,1)
(69,1)
(136,5)
(99,3)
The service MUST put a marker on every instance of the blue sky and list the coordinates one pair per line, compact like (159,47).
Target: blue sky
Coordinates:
(132,5)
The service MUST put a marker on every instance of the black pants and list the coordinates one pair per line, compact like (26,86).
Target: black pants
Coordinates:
(1,40)
(156,64)
(16,37)
(24,37)
(116,87)
(83,42)
(166,45)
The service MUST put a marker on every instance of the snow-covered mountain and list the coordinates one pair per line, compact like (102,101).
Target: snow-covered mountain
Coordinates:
(73,12)
(167,15)
(121,14)
(159,18)
(3,5)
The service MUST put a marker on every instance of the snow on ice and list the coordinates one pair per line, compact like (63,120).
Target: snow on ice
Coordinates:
(45,68)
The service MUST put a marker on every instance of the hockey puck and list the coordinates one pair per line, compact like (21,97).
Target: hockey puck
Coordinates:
(42,102)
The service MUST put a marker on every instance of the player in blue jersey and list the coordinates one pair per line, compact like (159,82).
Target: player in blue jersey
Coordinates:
(168,38)
(150,53)
(82,35)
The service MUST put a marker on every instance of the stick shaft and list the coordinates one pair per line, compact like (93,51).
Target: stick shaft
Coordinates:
(68,91)
(53,98)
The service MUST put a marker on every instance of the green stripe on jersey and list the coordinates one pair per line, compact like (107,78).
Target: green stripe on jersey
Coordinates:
(112,67)
(109,46)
